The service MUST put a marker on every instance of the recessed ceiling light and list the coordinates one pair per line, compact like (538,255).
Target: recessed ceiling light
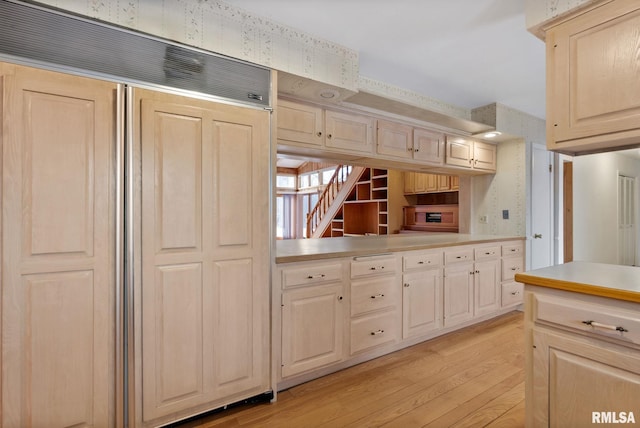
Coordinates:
(328,94)
(492,134)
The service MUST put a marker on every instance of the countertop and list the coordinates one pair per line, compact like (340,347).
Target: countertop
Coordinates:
(296,250)
(598,279)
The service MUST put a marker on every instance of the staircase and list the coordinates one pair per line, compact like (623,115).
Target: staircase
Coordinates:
(331,199)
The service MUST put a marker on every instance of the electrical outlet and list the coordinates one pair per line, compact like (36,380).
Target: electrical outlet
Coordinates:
(505,214)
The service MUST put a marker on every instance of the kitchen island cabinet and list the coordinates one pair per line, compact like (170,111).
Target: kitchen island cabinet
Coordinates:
(582,339)
(391,288)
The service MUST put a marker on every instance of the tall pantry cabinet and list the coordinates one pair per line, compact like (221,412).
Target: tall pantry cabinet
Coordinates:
(197,306)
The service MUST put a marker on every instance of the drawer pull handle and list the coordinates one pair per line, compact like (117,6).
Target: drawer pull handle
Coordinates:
(377,296)
(376,333)
(315,276)
(515,293)
(375,268)
(607,326)
(488,253)
(514,269)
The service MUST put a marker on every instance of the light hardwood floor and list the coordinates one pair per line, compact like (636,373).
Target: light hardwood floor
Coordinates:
(470,378)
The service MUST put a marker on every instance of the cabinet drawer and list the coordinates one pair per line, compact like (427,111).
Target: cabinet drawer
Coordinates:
(372,265)
(511,266)
(311,274)
(489,252)
(512,293)
(458,255)
(373,294)
(512,248)
(422,260)
(373,330)
(614,323)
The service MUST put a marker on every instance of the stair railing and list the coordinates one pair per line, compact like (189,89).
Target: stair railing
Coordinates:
(326,198)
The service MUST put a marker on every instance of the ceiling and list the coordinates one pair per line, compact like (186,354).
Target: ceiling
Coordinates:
(468,53)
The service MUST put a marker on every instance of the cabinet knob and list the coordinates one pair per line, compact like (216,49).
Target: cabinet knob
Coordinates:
(339,297)
(407,284)
(329,136)
(319,134)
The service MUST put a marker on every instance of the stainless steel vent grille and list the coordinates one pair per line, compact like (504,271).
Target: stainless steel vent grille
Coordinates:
(33,33)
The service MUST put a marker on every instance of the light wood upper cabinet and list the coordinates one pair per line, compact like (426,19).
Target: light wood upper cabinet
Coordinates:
(300,123)
(470,154)
(395,139)
(593,79)
(428,146)
(306,125)
(406,142)
(418,182)
(349,132)
(58,249)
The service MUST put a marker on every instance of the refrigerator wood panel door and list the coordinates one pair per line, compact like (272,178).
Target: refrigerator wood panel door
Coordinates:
(58,293)
(203,306)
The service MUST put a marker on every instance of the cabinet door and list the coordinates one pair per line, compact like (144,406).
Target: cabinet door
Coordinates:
(573,377)
(395,140)
(458,294)
(312,328)
(421,302)
(428,146)
(58,237)
(431,182)
(455,182)
(487,286)
(484,156)
(459,152)
(349,132)
(204,284)
(593,88)
(300,123)
(443,182)
(409,182)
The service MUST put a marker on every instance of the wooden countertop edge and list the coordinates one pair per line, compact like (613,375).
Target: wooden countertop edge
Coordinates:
(576,287)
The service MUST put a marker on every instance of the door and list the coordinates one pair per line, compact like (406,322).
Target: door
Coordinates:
(204,252)
(627,235)
(421,302)
(541,207)
(58,249)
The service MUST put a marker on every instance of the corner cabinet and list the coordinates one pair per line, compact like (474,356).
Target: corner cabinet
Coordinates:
(578,366)
(593,82)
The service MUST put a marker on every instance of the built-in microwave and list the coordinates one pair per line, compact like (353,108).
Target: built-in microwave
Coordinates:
(431,218)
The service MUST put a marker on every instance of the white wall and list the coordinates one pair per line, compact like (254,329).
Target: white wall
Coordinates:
(595,204)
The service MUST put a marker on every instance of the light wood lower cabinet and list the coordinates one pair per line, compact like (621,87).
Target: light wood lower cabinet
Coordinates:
(337,312)
(312,327)
(421,302)
(577,374)
(458,294)
(203,298)
(58,249)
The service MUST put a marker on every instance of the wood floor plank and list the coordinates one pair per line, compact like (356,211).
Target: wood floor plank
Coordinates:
(472,377)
